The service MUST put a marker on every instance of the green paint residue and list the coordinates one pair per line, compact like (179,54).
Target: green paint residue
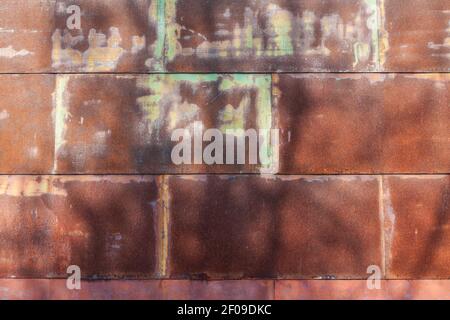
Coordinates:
(172,31)
(60,113)
(373,25)
(164,106)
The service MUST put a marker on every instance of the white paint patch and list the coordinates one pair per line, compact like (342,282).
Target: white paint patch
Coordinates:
(10,52)
(3,30)
(4,115)
(101,137)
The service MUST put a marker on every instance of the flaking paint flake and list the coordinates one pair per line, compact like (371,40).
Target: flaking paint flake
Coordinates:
(103,53)
(166,108)
(284,33)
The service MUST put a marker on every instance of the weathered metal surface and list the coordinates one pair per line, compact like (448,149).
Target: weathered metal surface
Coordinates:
(112,123)
(144,35)
(124,123)
(330,123)
(358,290)
(416,124)
(417,221)
(278,35)
(26,123)
(21,289)
(54,289)
(114,36)
(233,227)
(104,225)
(415,35)
(218,290)
(363,123)
(25,35)
(35,36)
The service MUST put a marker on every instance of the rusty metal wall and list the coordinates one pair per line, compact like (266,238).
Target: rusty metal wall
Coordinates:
(359,90)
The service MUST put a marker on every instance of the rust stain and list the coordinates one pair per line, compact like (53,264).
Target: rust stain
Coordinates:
(102,55)
(383,45)
(162,224)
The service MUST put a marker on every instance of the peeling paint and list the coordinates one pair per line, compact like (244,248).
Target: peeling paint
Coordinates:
(373,78)
(383,43)
(196,177)
(172,31)
(165,96)
(373,24)
(232,118)
(435,77)
(20,186)
(156,17)
(443,46)
(60,113)
(116,179)
(4,30)
(162,226)
(165,107)
(284,34)
(138,44)
(345,178)
(9,52)
(235,118)
(102,55)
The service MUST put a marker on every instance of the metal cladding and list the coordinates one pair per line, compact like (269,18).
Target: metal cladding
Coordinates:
(357,179)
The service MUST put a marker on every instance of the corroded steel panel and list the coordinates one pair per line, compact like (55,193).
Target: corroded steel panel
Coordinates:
(237,227)
(104,225)
(114,123)
(26,123)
